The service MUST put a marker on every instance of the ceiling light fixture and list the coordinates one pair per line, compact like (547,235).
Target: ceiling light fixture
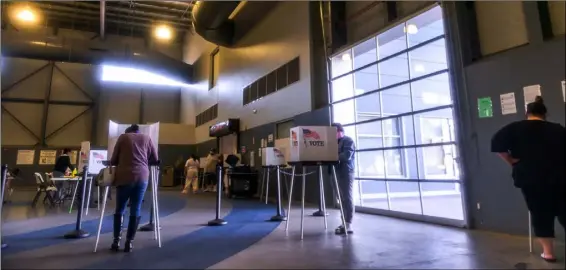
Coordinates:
(26,15)
(163,32)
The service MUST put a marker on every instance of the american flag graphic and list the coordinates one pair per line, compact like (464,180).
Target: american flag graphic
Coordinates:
(98,155)
(293,135)
(278,152)
(307,133)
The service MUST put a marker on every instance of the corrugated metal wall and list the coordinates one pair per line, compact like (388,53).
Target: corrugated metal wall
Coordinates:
(76,98)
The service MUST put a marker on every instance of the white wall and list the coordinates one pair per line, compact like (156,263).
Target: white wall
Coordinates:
(280,37)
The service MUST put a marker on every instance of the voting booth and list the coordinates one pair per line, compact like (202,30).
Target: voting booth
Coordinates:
(152,130)
(272,156)
(314,146)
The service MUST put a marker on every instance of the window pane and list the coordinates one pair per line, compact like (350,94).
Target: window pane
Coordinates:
(428,59)
(365,53)
(431,92)
(394,70)
(342,88)
(392,41)
(366,80)
(438,162)
(442,200)
(343,112)
(435,127)
(406,133)
(371,164)
(369,135)
(396,100)
(426,26)
(405,197)
(374,194)
(341,64)
(394,164)
(367,107)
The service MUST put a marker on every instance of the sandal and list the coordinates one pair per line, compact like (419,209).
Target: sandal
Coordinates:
(549,260)
(340,230)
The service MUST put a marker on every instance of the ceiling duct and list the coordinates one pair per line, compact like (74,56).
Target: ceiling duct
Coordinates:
(225,22)
(78,51)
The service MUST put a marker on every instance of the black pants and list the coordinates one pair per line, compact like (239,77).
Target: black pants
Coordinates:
(545,202)
(211,179)
(346,186)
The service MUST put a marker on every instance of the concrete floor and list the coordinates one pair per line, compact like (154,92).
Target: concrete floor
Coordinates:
(438,206)
(378,242)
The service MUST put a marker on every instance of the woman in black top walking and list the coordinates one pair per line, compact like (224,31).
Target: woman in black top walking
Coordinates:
(535,150)
(61,165)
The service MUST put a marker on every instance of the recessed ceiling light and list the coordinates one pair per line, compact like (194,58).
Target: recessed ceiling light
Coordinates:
(411,29)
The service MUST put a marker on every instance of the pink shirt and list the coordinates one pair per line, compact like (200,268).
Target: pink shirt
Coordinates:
(133,153)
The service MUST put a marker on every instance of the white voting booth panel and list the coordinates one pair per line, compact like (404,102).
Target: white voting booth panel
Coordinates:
(95,159)
(313,144)
(83,155)
(272,156)
(115,130)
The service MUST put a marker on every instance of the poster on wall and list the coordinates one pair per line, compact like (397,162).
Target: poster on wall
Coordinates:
(95,159)
(485,107)
(530,93)
(47,157)
(73,156)
(508,103)
(25,157)
(83,156)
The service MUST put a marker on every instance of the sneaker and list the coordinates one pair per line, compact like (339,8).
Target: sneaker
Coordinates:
(340,230)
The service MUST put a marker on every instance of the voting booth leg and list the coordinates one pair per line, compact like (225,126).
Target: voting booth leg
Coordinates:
(278,217)
(4,172)
(74,196)
(530,234)
(340,200)
(101,217)
(262,185)
(290,198)
(156,205)
(150,227)
(267,186)
(218,221)
(78,232)
(321,209)
(87,204)
(304,178)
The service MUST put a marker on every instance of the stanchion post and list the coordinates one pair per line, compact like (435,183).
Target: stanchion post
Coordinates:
(4,172)
(530,234)
(320,212)
(279,216)
(78,232)
(218,221)
(290,198)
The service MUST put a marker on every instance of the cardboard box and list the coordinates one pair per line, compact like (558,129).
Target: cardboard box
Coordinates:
(313,144)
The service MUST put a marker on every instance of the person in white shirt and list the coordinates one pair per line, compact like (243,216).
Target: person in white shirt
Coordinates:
(191,169)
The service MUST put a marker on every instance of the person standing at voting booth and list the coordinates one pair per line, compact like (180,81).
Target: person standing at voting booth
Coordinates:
(345,175)
(62,165)
(133,153)
(534,148)
(210,170)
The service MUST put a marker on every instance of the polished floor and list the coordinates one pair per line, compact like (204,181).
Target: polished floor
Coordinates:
(249,242)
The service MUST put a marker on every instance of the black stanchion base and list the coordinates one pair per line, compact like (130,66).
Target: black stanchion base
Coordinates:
(217,222)
(278,218)
(76,234)
(319,213)
(148,228)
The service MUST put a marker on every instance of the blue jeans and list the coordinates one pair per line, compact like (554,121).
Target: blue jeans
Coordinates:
(133,192)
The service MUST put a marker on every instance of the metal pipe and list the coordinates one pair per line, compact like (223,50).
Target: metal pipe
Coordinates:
(150,6)
(102,18)
(138,12)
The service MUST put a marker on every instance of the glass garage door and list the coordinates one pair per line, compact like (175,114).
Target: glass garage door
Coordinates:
(393,96)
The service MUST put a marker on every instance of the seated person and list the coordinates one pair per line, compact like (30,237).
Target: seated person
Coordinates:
(62,165)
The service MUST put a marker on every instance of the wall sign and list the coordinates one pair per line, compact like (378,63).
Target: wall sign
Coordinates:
(485,107)
(530,93)
(25,157)
(47,157)
(224,128)
(508,104)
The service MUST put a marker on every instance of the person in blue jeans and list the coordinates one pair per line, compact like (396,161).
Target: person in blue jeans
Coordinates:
(133,154)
